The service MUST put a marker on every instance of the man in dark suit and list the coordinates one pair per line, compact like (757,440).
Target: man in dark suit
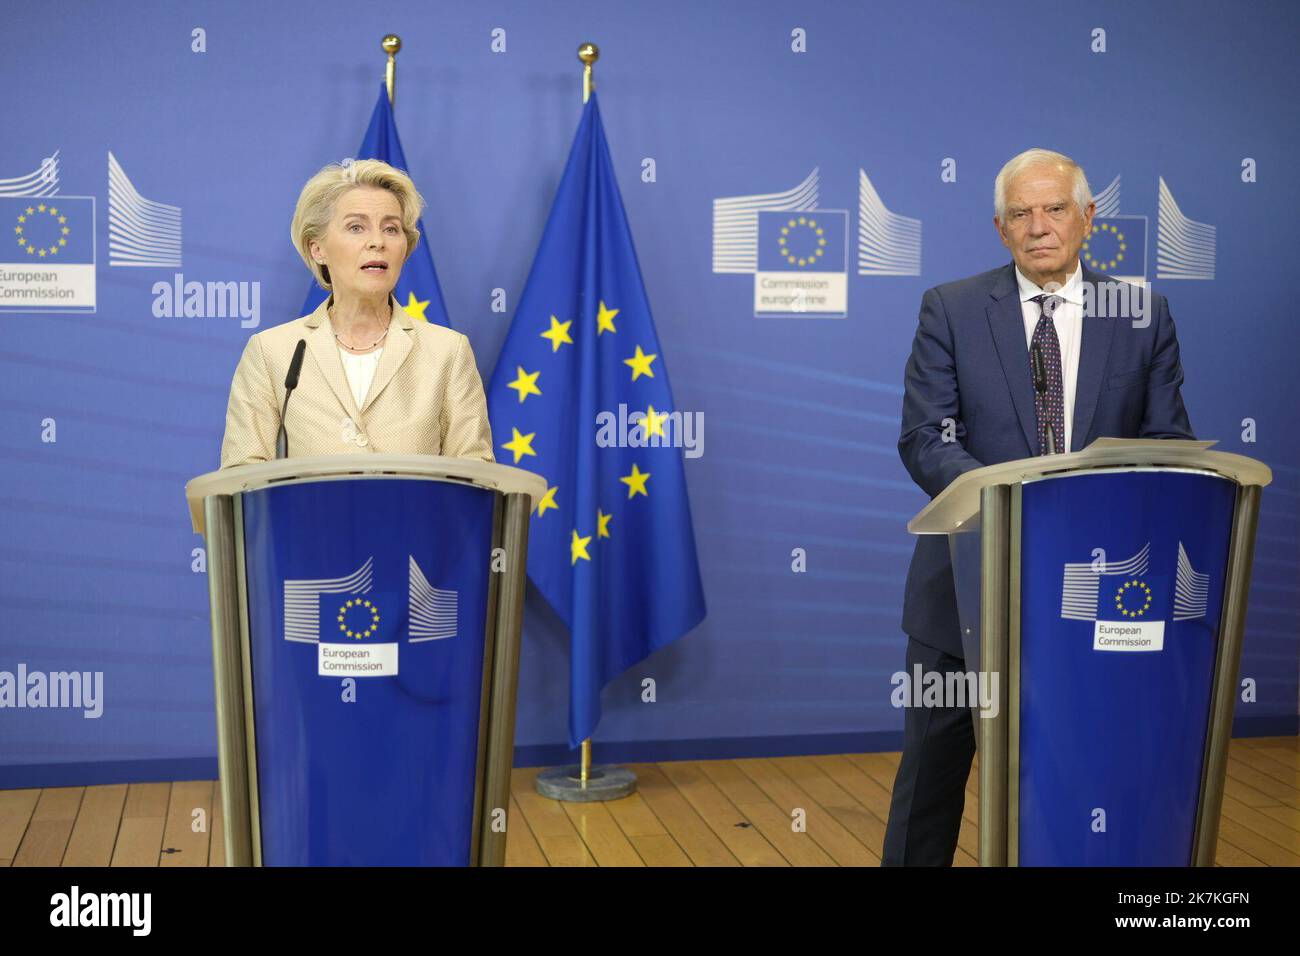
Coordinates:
(970,401)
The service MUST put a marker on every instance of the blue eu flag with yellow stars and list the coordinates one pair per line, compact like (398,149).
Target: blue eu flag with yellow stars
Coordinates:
(611,546)
(417,290)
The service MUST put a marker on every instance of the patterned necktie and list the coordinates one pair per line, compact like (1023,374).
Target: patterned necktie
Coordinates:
(1050,403)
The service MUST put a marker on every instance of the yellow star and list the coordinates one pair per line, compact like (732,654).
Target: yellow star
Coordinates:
(640,364)
(520,444)
(548,501)
(62,220)
(53,211)
(605,319)
(636,482)
(602,524)
(415,308)
(526,383)
(41,207)
(578,547)
(30,210)
(22,218)
(653,423)
(558,334)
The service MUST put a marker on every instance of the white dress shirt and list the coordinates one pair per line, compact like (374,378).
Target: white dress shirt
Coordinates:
(360,370)
(1068,321)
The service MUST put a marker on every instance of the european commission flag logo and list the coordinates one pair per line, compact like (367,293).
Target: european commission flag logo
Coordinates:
(802,263)
(48,231)
(1117,246)
(611,545)
(810,241)
(417,290)
(47,253)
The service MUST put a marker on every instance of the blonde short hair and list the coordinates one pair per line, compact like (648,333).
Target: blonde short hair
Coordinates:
(318,198)
(1040,157)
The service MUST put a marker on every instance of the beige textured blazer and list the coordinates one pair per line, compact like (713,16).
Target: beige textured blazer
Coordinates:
(426,396)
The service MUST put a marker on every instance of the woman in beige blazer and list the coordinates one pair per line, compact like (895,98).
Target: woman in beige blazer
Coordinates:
(373,378)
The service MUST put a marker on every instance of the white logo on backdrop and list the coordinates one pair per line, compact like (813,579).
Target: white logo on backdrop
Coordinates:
(888,244)
(1185,249)
(141,232)
(735,223)
(42,181)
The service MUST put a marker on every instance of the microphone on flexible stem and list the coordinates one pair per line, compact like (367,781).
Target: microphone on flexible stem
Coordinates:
(1040,386)
(290,383)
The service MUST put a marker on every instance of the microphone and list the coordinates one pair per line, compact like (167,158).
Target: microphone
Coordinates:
(1040,386)
(290,383)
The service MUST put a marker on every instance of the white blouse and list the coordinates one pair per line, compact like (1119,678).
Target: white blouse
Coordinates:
(360,370)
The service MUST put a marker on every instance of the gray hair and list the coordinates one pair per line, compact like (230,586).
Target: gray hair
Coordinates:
(316,204)
(1039,157)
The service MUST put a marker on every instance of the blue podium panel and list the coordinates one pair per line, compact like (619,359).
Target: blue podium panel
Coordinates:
(1122,580)
(367,603)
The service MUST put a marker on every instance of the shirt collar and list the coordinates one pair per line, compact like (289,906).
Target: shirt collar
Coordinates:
(1071,292)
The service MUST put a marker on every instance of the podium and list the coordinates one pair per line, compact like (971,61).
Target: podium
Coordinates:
(1101,596)
(366,612)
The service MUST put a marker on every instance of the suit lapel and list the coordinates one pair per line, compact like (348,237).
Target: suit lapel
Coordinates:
(396,348)
(1094,356)
(1007,322)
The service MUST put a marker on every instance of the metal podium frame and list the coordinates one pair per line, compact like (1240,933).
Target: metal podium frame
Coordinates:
(987,501)
(215,501)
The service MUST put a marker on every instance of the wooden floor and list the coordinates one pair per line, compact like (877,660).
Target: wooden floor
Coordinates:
(693,813)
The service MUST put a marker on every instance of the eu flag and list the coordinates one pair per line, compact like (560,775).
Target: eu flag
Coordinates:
(1117,245)
(417,290)
(611,546)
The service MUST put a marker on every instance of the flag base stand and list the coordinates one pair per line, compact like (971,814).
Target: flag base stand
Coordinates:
(603,783)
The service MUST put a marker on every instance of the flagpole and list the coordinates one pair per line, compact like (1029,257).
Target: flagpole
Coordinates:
(588,53)
(581,784)
(390,45)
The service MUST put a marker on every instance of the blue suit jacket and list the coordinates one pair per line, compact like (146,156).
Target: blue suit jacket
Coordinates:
(970,363)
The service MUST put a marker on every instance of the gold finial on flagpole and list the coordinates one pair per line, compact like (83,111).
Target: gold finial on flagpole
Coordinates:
(391,44)
(588,53)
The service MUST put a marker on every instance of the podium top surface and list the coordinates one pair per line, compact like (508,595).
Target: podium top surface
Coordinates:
(485,474)
(951,512)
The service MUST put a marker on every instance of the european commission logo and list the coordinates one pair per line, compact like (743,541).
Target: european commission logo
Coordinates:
(798,252)
(1127,604)
(48,245)
(1117,244)
(358,629)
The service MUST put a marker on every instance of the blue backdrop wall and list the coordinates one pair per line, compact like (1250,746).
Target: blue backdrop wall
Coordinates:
(897,112)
